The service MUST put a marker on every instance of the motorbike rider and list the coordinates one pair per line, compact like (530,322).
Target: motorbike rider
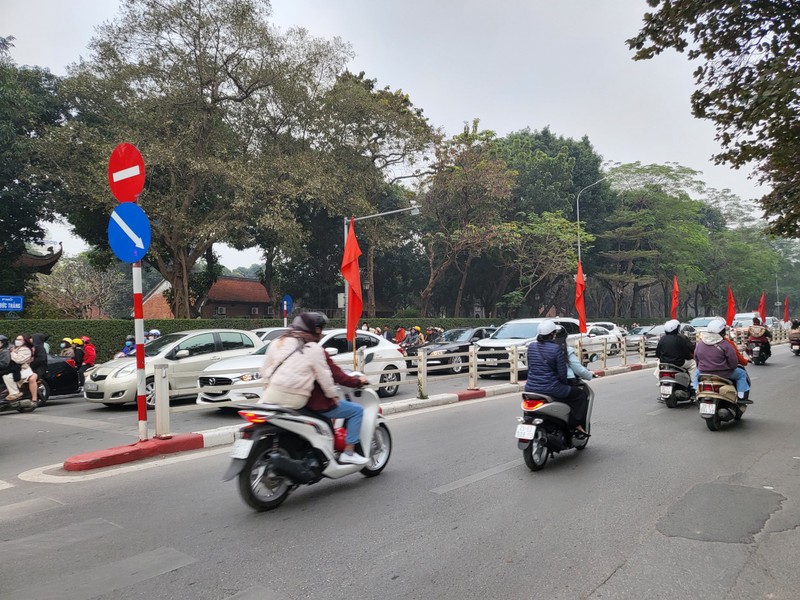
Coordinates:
(66,348)
(714,356)
(760,333)
(548,374)
(576,372)
(305,363)
(675,348)
(5,357)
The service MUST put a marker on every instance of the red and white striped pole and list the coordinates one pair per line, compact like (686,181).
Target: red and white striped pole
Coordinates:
(138,323)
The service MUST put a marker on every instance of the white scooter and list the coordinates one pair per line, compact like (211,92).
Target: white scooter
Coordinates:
(283,448)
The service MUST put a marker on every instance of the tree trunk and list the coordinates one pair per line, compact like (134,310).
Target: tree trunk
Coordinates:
(460,295)
(371,281)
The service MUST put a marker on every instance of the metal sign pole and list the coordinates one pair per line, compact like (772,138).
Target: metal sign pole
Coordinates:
(138,316)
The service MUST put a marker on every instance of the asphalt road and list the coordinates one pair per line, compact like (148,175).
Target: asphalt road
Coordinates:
(656,507)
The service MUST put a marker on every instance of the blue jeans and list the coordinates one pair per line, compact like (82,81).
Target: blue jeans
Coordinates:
(351,413)
(739,377)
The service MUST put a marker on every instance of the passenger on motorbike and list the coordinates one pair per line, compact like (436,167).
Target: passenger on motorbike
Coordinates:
(760,333)
(294,364)
(675,348)
(575,370)
(714,356)
(548,374)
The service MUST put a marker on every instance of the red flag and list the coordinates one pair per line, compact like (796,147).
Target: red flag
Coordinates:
(731,308)
(580,288)
(762,307)
(675,291)
(353,277)
(786,309)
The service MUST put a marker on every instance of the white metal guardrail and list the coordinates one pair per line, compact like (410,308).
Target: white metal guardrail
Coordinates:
(507,362)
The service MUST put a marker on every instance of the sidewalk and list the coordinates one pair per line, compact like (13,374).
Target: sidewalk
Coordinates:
(225,435)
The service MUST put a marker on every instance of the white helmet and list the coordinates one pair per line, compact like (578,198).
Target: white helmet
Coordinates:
(672,325)
(547,327)
(154,332)
(717,326)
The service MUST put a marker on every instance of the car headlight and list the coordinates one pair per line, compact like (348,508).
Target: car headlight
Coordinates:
(126,370)
(250,376)
(437,353)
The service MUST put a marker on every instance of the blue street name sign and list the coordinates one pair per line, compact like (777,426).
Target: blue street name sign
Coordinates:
(12,303)
(287,304)
(129,232)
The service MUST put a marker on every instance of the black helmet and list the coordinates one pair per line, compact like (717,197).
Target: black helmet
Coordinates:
(3,339)
(319,320)
(310,321)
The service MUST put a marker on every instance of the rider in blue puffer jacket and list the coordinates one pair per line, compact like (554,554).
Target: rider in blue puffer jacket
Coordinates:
(547,374)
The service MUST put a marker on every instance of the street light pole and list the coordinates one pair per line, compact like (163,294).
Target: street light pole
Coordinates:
(578,211)
(414,209)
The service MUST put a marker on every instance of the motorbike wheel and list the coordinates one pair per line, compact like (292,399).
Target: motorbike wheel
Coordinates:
(43,393)
(381,451)
(536,453)
(456,365)
(796,352)
(714,422)
(671,401)
(261,489)
(580,444)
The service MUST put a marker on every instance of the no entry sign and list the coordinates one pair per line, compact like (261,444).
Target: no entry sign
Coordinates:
(126,173)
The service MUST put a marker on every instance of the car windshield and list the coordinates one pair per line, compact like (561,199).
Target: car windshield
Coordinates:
(455,335)
(657,330)
(516,331)
(640,330)
(157,346)
(701,321)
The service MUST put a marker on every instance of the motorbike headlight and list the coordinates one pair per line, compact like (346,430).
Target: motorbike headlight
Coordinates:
(126,370)
(250,376)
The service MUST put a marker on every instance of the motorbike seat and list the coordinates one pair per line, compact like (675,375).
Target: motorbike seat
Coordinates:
(716,378)
(663,366)
(537,396)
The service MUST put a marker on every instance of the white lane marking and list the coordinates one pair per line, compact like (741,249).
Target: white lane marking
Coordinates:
(57,538)
(80,423)
(125,173)
(27,508)
(255,593)
(104,579)
(788,367)
(4,485)
(658,411)
(477,477)
(38,474)
(137,241)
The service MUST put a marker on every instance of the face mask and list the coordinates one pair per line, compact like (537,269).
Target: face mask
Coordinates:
(128,343)
(18,343)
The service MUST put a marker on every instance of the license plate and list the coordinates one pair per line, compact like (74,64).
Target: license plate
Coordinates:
(525,432)
(707,408)
(492,362)
(666,390)
(795,346)
(241,448)
(90,387)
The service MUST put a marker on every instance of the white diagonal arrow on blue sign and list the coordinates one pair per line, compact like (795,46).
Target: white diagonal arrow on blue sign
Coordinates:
(137,241)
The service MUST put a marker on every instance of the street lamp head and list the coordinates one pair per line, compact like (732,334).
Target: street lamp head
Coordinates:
(414,209)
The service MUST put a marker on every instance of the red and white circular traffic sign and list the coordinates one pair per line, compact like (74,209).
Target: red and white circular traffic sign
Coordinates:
(126,172)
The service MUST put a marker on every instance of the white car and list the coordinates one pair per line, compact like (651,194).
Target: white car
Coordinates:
(244,374)
(267,334)
(185,353)
(592,341)
(612,327)
(493,351)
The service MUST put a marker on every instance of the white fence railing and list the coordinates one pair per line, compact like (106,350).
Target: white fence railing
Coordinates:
(479,365)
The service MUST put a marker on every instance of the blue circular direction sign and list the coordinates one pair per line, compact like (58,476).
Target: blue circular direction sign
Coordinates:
(129,232)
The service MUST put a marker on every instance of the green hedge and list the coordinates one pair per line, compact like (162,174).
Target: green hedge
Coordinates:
(109,335)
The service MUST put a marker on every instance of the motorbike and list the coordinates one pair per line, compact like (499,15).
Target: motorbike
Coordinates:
(674,384)
(23,404)
(282,449)
(756,352)
(718,402)
(794,341)
(543,428)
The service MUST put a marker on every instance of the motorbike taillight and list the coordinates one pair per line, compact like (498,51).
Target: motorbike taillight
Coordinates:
(253,417)
(532,404)
(669,374)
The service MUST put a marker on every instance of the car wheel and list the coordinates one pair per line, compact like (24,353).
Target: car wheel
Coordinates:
(389,375)
(456,365)
(150,393)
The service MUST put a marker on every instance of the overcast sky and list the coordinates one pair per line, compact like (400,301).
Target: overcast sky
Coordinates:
(511,63)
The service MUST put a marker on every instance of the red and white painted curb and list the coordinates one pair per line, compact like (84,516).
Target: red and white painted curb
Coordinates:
(226,435)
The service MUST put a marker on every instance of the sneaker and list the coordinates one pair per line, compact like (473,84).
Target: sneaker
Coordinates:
(352,459)
(744,401)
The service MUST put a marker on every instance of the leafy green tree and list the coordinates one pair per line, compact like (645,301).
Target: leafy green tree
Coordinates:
(206,91)
(28,105)
(746,84)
